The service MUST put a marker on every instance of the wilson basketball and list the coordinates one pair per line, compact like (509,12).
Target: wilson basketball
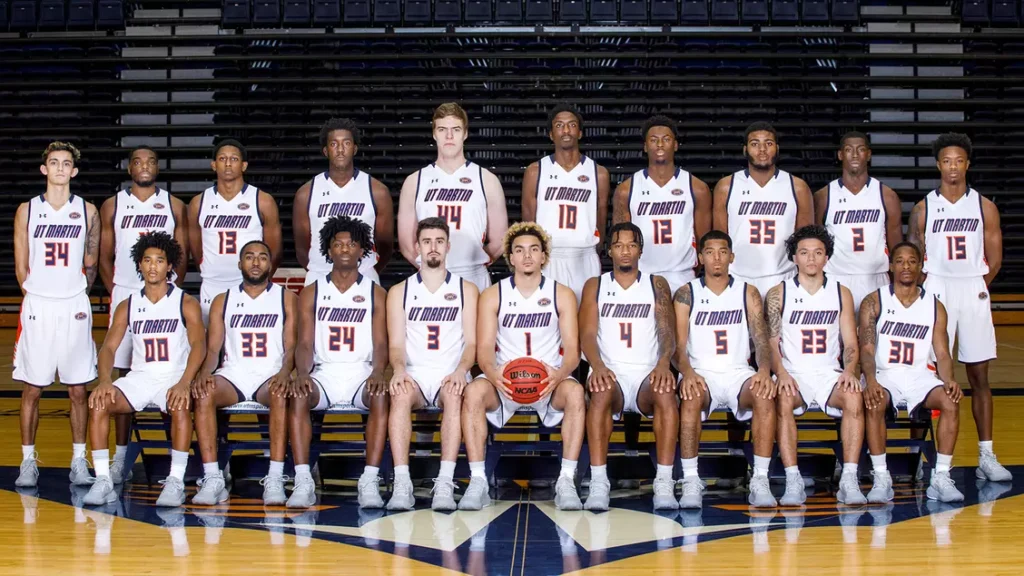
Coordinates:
(525,375)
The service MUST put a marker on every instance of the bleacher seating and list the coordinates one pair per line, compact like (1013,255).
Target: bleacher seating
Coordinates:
(295,13)
(633,11)
(386,11)
(725,11)
(975,11)
(845,11)
(447,11)
(23,15)
(326,13)
(694,12)
(604,11)
(479,11)
(508,11)
(664,11)
(356,12)
(236,13)
(814,11)
(266,12)
(110,14)
(1005,12)
(51,15)
(785,12)
(755,11)
(572,11)
(417,11)
(81,14)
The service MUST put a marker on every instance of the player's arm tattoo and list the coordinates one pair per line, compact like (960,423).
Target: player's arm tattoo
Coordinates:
(684,296)
(866,334)
(620,202)
(665,318)
(773,311)
(92,248)
(758,329)
(915,226)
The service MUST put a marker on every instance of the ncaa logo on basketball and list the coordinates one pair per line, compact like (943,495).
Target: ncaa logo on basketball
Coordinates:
(159,206)
(450,296)
(466,180)
(80,316)
(358,299)
(543,302)
(243,206)
(677,192)
(75,215)
(584,178)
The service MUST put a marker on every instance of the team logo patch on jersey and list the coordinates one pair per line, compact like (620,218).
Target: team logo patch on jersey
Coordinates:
(450,296)
(584,178)
(982,295)
(543,302)
(159,206)
(677,192)
(75,215)
(243,206)
(358,299)
(80,316)
(466,180)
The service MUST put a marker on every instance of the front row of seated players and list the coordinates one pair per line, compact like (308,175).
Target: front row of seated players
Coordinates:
(342,349)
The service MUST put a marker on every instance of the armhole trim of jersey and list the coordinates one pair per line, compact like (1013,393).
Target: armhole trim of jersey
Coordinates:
(129,328)
(728,197)
(782,307)
(935,315)
(536,194)
(462,292)
(554,297)
(373,303)
(419,176)
(839,289)
(693,297)
(483,187)
(316,298)
(629,200)
(309,203)
(600,279)
(181,309)
(373,201)
(199,215)
(259,213)
(28,226)
(981,212)
(170,206)
(224,310)
(792,185)
(85,216)
(828,204)
(113,219)
(284,310)
(405,292)
(500,282)
(879,317)
(654,290)
(746,317)
(924,231)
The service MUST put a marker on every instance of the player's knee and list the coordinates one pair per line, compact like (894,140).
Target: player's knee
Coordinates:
(277,403)
(31,394)
(765,406)
(475,394)
(77,394)
(691,408)
(380,402)
(575,400)
(666,402)
(786,404)
(180,416)
(299,406)
(204,405)
(852,405)
(948,409)
(450,402)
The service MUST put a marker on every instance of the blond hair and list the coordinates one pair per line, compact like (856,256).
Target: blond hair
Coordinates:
(58,146)
(526,229)
(450,109)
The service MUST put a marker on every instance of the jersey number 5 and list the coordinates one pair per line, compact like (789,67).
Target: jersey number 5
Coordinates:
(342,336)
(721,342)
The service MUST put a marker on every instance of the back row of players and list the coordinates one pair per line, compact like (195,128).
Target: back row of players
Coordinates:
(566,193)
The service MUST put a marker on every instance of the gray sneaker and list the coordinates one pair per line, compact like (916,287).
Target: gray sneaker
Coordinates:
(760,493)
(102,492)
(212,490)
(849,491)
(665,494)
(943,489)
(369,493)
(444,495)
(566,497)
(476,496)
(401,495)
(303,493)
(29,475)
(117,472)
(796,493)
(693,494)
(600,495)
(881,490)
(990,469)
(173,494)
(273,490)
(80,472)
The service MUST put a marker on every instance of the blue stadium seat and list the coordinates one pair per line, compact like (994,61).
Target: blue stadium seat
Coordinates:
(384,11)
(357,11)
(447,12)
(23,15)
(81,14)
(110,15)
(296,12)
(725,11)
(845,11)
(1004,12)
(694,12)
(51,15)
(755,11)
(664,11)
(975,11)
(4,12)
(540,11)
(633,11)
(266,12)
(326,13)
(417,11)
(510,11)
(235,13)
(813,11)
(572,11)
(785,12)
(479,11)
(602,11)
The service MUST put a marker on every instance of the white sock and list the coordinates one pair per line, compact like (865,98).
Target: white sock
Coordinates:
(370,471)
(447,471)
(761,464)
(985,447)
(120,452)
(792,471)
(211,469)
(78,450)
(179,461)
(476,470)
(276,469)
(664,471)
(878,462)
(689,467)
(101,462)
(27,450)
(850,468)
(302,471)
(943,462)
(402,472)
(568,469)
(599,473)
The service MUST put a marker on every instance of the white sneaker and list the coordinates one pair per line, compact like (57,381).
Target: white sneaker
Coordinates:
(173,494)
(566,497)
(117,471)
(212,490)
(476,496)
(102,492)
(796,493)
(369,492)
(273,490)
(761,493)
(943,489)
(665,494)
(990,469)
(600,495)
(693,494)
(881,490)
(303,493)
(849,491)
(401,494)
(29,474)
(80,472)
(444,495)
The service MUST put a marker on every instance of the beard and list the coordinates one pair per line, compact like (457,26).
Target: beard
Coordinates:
(767,166)
(255,280)
(433,263)
(144,183)
(625,269)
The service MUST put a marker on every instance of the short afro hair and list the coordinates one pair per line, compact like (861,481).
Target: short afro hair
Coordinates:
(810,232)
(564,107)
(359,231)
(853,135)
(714,235)
(526,229)
(660,120)
(234,144)
(952,139)
(339,124)
(638,236)
(759,126)
(143,147)
(250,243)
(905,244)
(161,241)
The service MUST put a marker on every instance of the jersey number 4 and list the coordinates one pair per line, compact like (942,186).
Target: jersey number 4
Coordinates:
(228,242)
(56,251)
(451,214)
(901,353)
(156,350)
(626,333)
(762,231)
(342,336)
(254,344)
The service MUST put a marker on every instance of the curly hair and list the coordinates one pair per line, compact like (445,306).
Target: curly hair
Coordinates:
(660,120)
(359,231)
(638,236)
(810,232)
(58,146)
(339,124)
(952,139)
(905,244)
(565,107)
(526,229)
(161,241)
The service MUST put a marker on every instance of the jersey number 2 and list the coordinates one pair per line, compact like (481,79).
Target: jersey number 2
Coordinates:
(342,336)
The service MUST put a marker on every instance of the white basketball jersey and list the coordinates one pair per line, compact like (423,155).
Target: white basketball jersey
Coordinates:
(159,336)
(904,334)
(327,200)
(226,226)
(133,218)
(664,215)
(567,203)
(719,340)
(954,236)
(344,323)
(857,222)
(810,326)
(56,248)
(459,200)
(528,326)
(254,330)
(760,221)
(433,324)
(627,333)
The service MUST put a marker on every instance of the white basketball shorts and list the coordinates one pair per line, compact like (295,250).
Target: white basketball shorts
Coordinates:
(816,388)
(429,381)
(630,379)
(367,271)
(724,392)
(341,383)
(142,389)
(123,356)
(908,388)
(573,267)
(549,417)
(676,279)
(476,274)
(968,316)
(55,337)
(207,292)
(247,382)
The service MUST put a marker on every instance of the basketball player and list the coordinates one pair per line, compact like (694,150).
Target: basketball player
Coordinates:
(627,329)
(252,338)
(467,196)
(810,323)
(901,328)
(56,248)
(432,336)
(864,217)
(669,205)
(528,315)
(168,346)
(958,229)
(760,207)
(140,209)
(343,333)
(342,190)
(717,316)
(226,216)
(567,193)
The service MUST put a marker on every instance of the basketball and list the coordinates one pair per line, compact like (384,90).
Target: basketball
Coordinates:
(525,374)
